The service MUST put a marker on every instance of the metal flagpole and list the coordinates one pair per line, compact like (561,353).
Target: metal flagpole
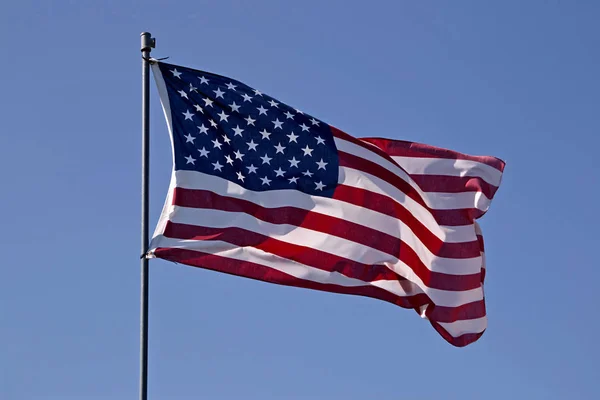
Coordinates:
(148,42)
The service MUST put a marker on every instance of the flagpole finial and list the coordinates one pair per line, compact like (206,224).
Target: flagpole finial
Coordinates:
(148,42)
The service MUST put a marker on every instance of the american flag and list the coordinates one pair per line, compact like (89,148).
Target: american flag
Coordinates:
(263,190)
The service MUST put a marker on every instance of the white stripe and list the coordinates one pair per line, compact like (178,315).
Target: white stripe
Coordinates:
(449,167)
(455,201)
(333,245)
(293,268)
(324,205)
(341,247)
(166,104)
(333,208)
(359,151)
(167,208)
(461,327)
(305,272)
(363,180)
(435,200)
(337,209)
(479,232)
(315,239)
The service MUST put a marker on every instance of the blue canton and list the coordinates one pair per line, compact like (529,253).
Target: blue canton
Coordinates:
(225,128)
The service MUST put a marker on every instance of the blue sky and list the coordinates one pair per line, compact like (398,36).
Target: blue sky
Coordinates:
(516,80)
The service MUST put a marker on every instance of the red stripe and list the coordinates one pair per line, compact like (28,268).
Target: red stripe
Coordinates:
(323,260)
(410,149)
(344,229)
(344,136)
(260,272)
(328,224)
(454,217)
(454,184)
(317,259)
(459,216)
(388,206)
(472,310)
(302,254)
(370,167)
(461,341)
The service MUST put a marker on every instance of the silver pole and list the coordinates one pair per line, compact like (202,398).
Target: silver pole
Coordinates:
(147,44)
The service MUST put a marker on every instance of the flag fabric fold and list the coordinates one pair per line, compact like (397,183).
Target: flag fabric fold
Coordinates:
(262,190)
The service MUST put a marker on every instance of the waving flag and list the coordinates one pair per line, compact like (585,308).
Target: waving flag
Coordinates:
(262,190)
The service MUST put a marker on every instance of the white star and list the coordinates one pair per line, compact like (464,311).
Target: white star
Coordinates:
(321,164)
(314,122)
(189,138)
(238,131)
(299,112)
(198,108)
(247,98)
(251,145)
(193,89)
(319,140)
(240,176)
(226,139)
(277,124)
(265,134)
(218,93)
(217,143)
(188,115)
(307,151)
(262,110)
(294,162)
(289,115)
(203,152)
(234,107)
(293,180)
(273,104)
(279,172)
(229,160)
(213,123)
(223,116)
(208,102)
(217,166)
(238,155)
(304,128)
(176,74)
(257,93)
(252,169)
(203,80)
(279,148)
(266,159)
(292,137)
(182,94)
(203,129)
(266,181)
(250,121)
(190,160)
(231,86)
(307,173)
(320,185)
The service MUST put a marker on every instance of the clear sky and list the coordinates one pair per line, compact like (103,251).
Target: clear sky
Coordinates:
(513,79)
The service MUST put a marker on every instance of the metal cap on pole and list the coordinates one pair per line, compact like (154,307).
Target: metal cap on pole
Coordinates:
(148,43)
